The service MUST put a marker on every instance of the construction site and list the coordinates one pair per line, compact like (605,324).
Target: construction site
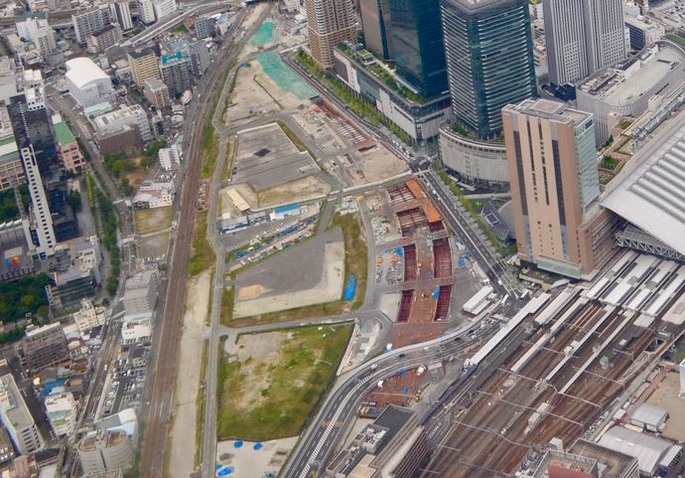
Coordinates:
(419,270)
(580,358)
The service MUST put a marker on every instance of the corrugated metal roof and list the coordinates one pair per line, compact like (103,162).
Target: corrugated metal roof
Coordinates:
(648,450)
(650,415)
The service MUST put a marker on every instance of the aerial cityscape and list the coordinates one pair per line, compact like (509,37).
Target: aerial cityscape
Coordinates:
(342,238)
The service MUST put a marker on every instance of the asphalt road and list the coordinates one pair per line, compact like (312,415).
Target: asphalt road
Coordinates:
(493,265)
(326,430)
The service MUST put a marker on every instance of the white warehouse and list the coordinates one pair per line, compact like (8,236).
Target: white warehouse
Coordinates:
(87,83)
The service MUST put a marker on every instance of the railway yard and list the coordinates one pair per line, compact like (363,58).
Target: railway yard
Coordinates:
(577,364)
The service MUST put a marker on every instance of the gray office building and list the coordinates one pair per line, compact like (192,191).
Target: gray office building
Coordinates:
(489,52)
(582,37)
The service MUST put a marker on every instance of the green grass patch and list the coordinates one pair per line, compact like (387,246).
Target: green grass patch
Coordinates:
(290,315)
(200,413)
(230,156)
(460,130)
(180,30)
(677,39)
(609,162)
(264,398)
(227,301)
(299,144)
(210,145)
(201,255)
(356,253)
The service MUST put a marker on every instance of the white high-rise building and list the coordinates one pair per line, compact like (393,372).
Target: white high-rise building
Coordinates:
(583,36)
(89,22)
(44,40)
(60,408)
(146,10)
(164,8)
(16,417)
(27,26)
(42,218)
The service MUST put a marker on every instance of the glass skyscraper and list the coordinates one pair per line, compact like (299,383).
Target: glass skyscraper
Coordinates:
(417,40)
(489,51)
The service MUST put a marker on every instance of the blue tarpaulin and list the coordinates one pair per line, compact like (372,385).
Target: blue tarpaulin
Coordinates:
(350,288)
(436,292)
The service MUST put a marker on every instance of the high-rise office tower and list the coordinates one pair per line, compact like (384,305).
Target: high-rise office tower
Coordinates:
(377,27)
(582,36)
(418,43)
(146,11)
(38,151)
(329,22)
(554,179)
(31,122)
(489,51)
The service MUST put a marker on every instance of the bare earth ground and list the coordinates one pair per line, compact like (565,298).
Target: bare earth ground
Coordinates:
(246,462)
(249,100)
(183,429)
(305,189)
(666,396)
(152,220)
(379,164)
(300,190)
(155,245)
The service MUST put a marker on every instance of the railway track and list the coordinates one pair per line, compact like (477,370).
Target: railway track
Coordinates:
(496,425)
(161,402)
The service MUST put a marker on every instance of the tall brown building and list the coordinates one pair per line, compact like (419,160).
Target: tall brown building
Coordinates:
(330,22)
(554,187)
(377,27)
(44,347)
(144,65)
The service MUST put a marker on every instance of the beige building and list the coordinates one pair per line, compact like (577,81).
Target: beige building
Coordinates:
(157,93)
(330,22)
(44,41)
(554,187)
(104,39)
(144,65)
(375,15)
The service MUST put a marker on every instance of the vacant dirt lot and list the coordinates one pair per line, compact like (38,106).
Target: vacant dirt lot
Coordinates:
(152,220)
(187,384)
(267,389)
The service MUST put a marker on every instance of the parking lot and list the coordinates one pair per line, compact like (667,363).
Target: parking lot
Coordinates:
(126,380)
(265,158)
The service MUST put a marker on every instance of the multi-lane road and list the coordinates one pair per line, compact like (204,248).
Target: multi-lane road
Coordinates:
(495,268)
(327,428)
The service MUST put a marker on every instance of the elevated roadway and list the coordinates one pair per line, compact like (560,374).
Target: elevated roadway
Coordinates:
(327,429)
